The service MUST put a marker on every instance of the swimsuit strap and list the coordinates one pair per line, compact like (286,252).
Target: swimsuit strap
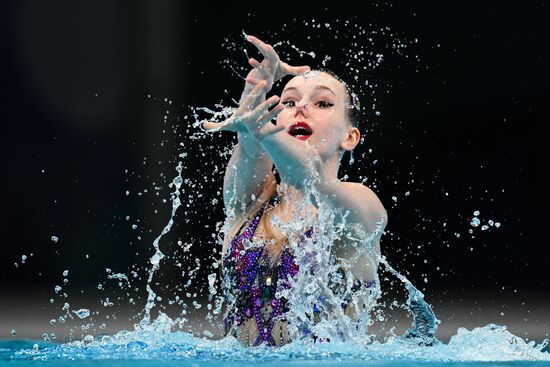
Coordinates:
(253,224)
(249,231)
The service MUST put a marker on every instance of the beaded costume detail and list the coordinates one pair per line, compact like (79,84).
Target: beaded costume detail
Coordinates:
(255,278)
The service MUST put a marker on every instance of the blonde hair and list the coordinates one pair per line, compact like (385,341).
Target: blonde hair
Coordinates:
(279,241)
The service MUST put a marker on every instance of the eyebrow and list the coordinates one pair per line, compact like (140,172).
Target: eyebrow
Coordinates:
(324,87)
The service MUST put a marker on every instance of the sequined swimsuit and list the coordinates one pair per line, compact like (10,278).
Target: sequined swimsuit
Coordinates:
(254,278)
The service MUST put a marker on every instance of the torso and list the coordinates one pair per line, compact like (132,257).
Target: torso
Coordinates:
(252,319)
(254,273)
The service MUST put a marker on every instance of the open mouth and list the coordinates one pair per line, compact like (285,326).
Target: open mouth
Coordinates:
(300,130)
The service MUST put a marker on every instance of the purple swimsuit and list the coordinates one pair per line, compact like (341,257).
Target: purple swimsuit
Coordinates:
(255,279)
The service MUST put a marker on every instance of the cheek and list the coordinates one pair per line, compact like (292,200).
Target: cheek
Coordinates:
(283,115)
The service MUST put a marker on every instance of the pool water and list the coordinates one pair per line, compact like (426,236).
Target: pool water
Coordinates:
(491,345)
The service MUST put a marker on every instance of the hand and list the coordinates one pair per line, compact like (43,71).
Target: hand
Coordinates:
(251,117)
(271,68)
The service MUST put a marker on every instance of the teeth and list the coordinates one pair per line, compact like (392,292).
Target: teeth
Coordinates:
(300,131)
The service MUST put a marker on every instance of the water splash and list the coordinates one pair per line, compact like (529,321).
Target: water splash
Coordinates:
(158,255)
(157,342)
(82,313)
(349,338)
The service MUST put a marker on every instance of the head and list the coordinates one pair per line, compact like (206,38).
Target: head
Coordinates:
(320,109)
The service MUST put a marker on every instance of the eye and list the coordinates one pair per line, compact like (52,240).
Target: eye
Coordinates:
(289,103)
(324,104)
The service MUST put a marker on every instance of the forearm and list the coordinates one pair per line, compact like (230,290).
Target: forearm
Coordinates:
(300,165)
(295,160)
(248,170)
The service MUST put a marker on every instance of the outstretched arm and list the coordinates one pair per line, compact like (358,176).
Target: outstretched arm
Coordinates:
(300,165)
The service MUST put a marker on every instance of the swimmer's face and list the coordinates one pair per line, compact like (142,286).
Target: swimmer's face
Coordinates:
(316,110)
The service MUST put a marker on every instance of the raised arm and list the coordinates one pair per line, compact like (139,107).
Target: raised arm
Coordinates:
(250,169)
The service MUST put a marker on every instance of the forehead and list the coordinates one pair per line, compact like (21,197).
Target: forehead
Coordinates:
(314,79)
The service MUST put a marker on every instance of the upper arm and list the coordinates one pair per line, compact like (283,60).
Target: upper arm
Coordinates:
(359,207)
(364,219)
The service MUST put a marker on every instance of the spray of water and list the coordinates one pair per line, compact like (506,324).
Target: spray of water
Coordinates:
(158,255)
(320,288)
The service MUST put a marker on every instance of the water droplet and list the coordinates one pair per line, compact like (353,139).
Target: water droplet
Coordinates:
(82,313)
(55,239)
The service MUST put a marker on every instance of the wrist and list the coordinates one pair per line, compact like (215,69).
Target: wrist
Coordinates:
(249,145)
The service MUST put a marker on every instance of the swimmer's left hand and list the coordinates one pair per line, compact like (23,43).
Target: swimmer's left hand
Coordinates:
(272,68)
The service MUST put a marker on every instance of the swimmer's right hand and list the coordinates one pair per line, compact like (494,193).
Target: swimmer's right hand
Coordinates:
(251,117)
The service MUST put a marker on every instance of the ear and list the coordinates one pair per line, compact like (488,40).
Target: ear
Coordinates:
(351,139)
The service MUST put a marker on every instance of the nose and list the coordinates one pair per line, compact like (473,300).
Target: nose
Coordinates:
(303,109)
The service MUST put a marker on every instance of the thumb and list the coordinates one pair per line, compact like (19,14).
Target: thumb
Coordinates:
(211,126)
(296,70)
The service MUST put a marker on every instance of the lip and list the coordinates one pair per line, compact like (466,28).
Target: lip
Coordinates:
(300,124)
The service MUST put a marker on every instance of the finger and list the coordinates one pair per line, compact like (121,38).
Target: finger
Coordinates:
(251,80)
(275,129)
(270,116)
(256,42)
(270,129)
(265,49)
(255,63)
(267,128)
(255,94)
(212,126)
(297,70)
(258,88)
(234,124)
(264,106)
(259,67)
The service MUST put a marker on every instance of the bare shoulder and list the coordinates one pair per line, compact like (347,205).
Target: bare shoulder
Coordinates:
(363,193)
(367,200)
